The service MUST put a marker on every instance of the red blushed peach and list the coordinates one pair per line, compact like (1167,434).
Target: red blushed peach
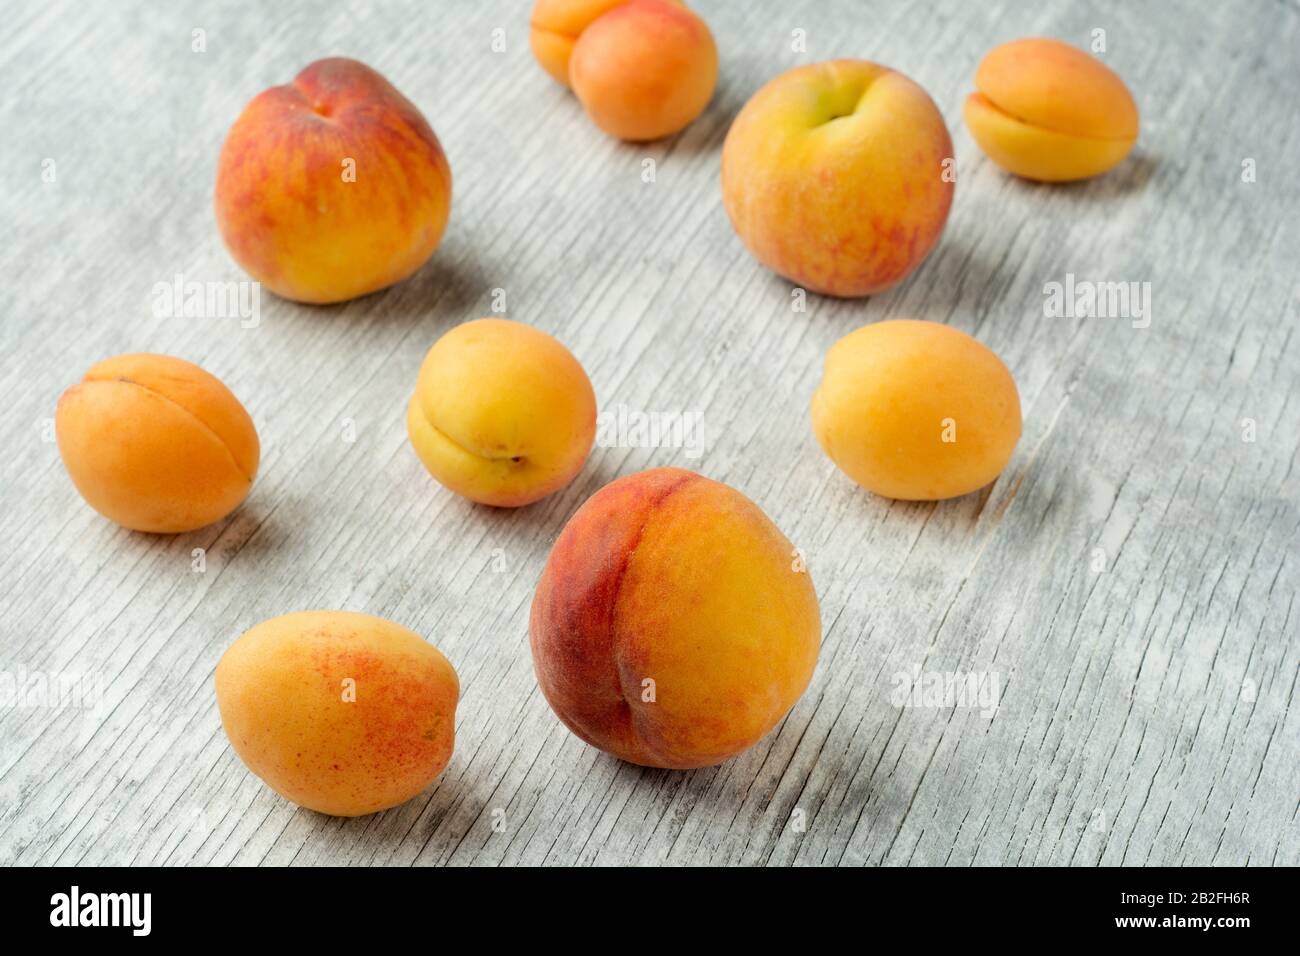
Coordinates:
(837,176)
(645,69)
(332,186)
(673,625)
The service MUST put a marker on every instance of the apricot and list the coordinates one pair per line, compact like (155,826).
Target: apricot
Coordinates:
(1047,111)
(157,444)
(502,414)
(837,176)
(916,410)
(339,712)
(332,186)
(645,69)
(555,28)
(673,625)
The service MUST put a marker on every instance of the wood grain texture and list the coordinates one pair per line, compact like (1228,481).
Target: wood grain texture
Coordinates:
(1148,711)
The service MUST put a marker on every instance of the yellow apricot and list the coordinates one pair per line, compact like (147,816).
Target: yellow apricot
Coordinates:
(502,414)
(916,410)
(1047,111)
(644,70)
(157,444)
(342,713)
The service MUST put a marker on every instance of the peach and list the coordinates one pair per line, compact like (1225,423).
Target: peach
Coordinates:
(332,186)
(502,414)
(555,28)
(916,410)
(645,69)
(837,176)
(339,712)
(673,625)
(157,444)
(1047,111)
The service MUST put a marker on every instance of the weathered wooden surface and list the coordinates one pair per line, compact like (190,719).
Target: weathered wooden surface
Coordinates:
(1147,710)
